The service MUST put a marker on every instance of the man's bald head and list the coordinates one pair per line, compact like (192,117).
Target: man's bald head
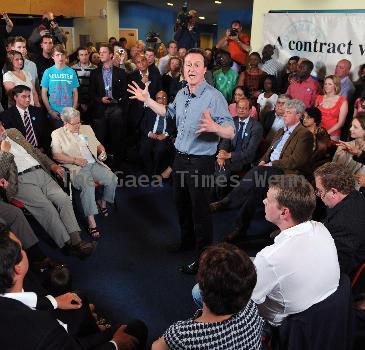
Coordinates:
(343,68)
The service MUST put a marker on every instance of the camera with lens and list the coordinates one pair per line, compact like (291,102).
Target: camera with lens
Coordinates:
(152,37)
(46,23)
(233,32)
(183,17)
(121,51)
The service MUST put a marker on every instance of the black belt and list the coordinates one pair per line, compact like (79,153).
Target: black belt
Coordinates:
(30,169)
(187,155)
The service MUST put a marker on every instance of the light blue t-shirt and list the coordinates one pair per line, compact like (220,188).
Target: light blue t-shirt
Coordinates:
(60,83)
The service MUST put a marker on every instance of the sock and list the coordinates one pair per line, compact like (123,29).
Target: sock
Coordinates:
(75,238)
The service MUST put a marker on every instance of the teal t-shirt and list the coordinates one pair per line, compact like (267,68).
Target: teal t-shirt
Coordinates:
(225,83)
(60,84)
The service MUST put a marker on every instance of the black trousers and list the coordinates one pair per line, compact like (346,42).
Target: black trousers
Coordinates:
(153,154)
(193,178)
(250,193)
(111,129)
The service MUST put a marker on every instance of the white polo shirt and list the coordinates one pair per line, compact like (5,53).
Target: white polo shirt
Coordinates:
(299,270)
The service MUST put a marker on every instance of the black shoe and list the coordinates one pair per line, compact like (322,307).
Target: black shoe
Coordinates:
(82,250)
(190,269)
(180,247)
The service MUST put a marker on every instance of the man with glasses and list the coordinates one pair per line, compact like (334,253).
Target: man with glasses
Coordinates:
(345,220)
(202,117)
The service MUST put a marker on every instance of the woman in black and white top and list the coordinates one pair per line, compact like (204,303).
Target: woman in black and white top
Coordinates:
(229,320)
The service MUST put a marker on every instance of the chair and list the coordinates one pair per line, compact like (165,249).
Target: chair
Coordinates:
(358,280)
(327,325)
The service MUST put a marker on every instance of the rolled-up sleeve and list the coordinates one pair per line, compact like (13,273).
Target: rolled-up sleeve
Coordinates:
(220,112)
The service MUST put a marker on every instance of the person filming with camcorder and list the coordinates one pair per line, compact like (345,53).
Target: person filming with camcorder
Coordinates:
(237,44)
(186,30)
(48,26)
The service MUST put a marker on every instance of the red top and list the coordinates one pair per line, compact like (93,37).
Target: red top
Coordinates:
(330,115)
(305,91)
(234,48)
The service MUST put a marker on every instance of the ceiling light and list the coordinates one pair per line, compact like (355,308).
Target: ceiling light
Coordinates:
(218,2)
(214,24)
(169,4)
(201,17)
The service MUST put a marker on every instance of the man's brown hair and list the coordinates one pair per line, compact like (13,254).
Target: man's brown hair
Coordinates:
(295,193)
(59,48)
(334,175)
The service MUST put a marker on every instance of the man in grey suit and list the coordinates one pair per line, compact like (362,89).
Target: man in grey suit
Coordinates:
(26,170)
(236,156)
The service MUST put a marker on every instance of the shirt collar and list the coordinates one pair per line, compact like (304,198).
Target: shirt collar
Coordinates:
(199,91)
(291,129)
(27,298)
(299,229)
(21,111)
(245,121)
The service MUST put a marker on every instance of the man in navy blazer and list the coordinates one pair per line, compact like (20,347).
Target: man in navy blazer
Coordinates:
(237,155)
(39,132)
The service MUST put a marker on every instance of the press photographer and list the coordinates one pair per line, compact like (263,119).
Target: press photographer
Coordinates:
(186,31)
(49,26)
(237,44)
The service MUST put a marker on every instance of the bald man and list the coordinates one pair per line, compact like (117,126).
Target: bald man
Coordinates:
(47,26)
(342,70)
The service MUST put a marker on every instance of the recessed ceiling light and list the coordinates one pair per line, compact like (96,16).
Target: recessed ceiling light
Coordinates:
(214,24)
(169,4)
(201,17)
(218,2)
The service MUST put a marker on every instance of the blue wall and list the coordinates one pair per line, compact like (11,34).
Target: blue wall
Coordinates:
(147,19)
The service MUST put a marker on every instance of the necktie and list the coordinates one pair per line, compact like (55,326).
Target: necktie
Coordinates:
(239,137)
(160,125)
(29,132)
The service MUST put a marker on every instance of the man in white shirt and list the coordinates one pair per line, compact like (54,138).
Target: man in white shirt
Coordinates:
(164,61)
(22,310)
(301,268)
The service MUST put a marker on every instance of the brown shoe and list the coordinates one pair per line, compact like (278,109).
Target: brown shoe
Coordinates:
(81,250)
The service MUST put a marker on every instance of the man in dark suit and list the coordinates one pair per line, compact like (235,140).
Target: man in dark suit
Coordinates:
(155,134)
(29,120)
(237,155)
(345,218)
(142,75)
(272,121)
(289,153)
(108,92)
(32,316)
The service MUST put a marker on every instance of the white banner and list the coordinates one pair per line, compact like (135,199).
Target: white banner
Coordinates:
(323,38)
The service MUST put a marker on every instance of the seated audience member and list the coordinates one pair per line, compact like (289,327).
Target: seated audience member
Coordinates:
(237,155)
(83,69)
(141,76)
(238,93)
(269,64)
(359,104)
(76,147)
(228,319)
(109,104)
(59,86)
(304,88)
(26,170)
(29,120)
(181,52)
(164,61)
(35,317)
(20,44)
(225,78)
(172,80)
(322,144)
(16,75)
(94,58)
(253,78)
(345,219)
(289,73)
(343,157)
(342,71)
(17,222)
(272,121)
(44,60)
(156,132)
(267,100)
(290,150)
(290,267)
(333,107)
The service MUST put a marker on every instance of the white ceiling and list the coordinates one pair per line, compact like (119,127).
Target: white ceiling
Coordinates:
(206,8)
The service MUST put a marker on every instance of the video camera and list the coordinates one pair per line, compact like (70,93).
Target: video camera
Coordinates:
(183,17)
(47,23)
(152,37)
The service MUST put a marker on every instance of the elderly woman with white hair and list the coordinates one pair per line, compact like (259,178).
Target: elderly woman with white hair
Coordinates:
(77,148)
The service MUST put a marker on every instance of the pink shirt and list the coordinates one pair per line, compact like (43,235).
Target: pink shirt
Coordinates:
(305,91)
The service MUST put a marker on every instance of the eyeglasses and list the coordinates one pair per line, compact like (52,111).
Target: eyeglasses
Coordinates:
(320,193)
(73,124)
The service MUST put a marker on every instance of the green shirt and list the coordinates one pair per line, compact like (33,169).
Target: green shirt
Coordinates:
(225,83)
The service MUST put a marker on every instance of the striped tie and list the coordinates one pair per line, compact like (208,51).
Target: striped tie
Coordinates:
(29,132)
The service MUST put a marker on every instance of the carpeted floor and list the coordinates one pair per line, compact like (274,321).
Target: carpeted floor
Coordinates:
(131,275)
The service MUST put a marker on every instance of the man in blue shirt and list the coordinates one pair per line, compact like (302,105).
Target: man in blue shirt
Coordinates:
(202,117)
